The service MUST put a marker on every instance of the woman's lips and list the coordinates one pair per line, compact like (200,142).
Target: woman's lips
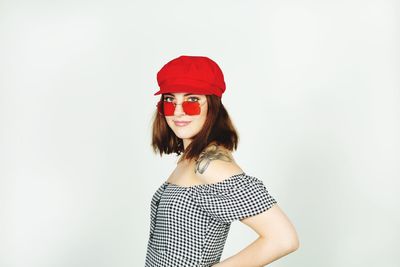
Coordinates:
(181,123)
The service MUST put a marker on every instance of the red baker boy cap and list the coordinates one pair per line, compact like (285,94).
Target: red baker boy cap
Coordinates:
(192,74)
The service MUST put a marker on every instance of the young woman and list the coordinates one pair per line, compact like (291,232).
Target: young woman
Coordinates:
(191,212)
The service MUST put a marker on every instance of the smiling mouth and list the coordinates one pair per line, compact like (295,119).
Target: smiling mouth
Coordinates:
(181,123)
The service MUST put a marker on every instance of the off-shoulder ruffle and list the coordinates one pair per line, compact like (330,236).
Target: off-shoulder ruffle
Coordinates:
(233,198)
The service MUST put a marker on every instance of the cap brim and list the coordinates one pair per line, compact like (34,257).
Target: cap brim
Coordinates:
(158,92)
(184,89)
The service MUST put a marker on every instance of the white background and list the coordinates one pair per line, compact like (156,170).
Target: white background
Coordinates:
(313,88)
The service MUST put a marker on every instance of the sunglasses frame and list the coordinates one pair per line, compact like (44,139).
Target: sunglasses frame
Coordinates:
(159,103)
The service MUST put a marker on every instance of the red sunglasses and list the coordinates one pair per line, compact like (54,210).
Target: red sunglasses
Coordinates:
(166,108)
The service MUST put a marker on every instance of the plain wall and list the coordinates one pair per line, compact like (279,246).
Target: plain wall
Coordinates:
(312,87)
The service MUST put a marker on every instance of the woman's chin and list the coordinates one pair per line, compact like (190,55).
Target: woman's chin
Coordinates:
(183,134)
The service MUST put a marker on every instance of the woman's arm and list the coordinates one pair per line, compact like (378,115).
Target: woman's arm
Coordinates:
(277,238)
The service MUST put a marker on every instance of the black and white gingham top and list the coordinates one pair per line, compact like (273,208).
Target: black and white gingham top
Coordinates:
(189,225)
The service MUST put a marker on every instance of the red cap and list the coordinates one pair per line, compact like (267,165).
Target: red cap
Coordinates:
(192,74)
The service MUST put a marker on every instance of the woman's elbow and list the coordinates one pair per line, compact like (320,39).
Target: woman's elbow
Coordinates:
(291,244)
(294,245)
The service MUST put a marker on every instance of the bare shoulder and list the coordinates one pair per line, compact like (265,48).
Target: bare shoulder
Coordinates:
(215,164)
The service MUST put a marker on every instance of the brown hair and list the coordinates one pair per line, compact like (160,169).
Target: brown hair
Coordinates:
(217,128)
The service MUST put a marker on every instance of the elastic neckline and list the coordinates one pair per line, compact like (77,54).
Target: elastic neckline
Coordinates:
(206,185)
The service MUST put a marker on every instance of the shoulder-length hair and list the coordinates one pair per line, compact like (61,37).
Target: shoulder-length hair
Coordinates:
(217,128)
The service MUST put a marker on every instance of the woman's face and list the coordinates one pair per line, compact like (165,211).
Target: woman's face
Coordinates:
(186,131)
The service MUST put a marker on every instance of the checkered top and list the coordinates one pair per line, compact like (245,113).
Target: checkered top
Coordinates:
(189,225)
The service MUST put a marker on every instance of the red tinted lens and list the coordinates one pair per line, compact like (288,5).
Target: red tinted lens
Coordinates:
(169,108)
(165,108)
(190,108)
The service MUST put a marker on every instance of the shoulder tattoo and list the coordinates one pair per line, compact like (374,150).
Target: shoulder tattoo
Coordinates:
(209,154)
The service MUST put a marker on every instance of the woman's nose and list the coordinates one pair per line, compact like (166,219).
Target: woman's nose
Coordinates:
(179,110)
